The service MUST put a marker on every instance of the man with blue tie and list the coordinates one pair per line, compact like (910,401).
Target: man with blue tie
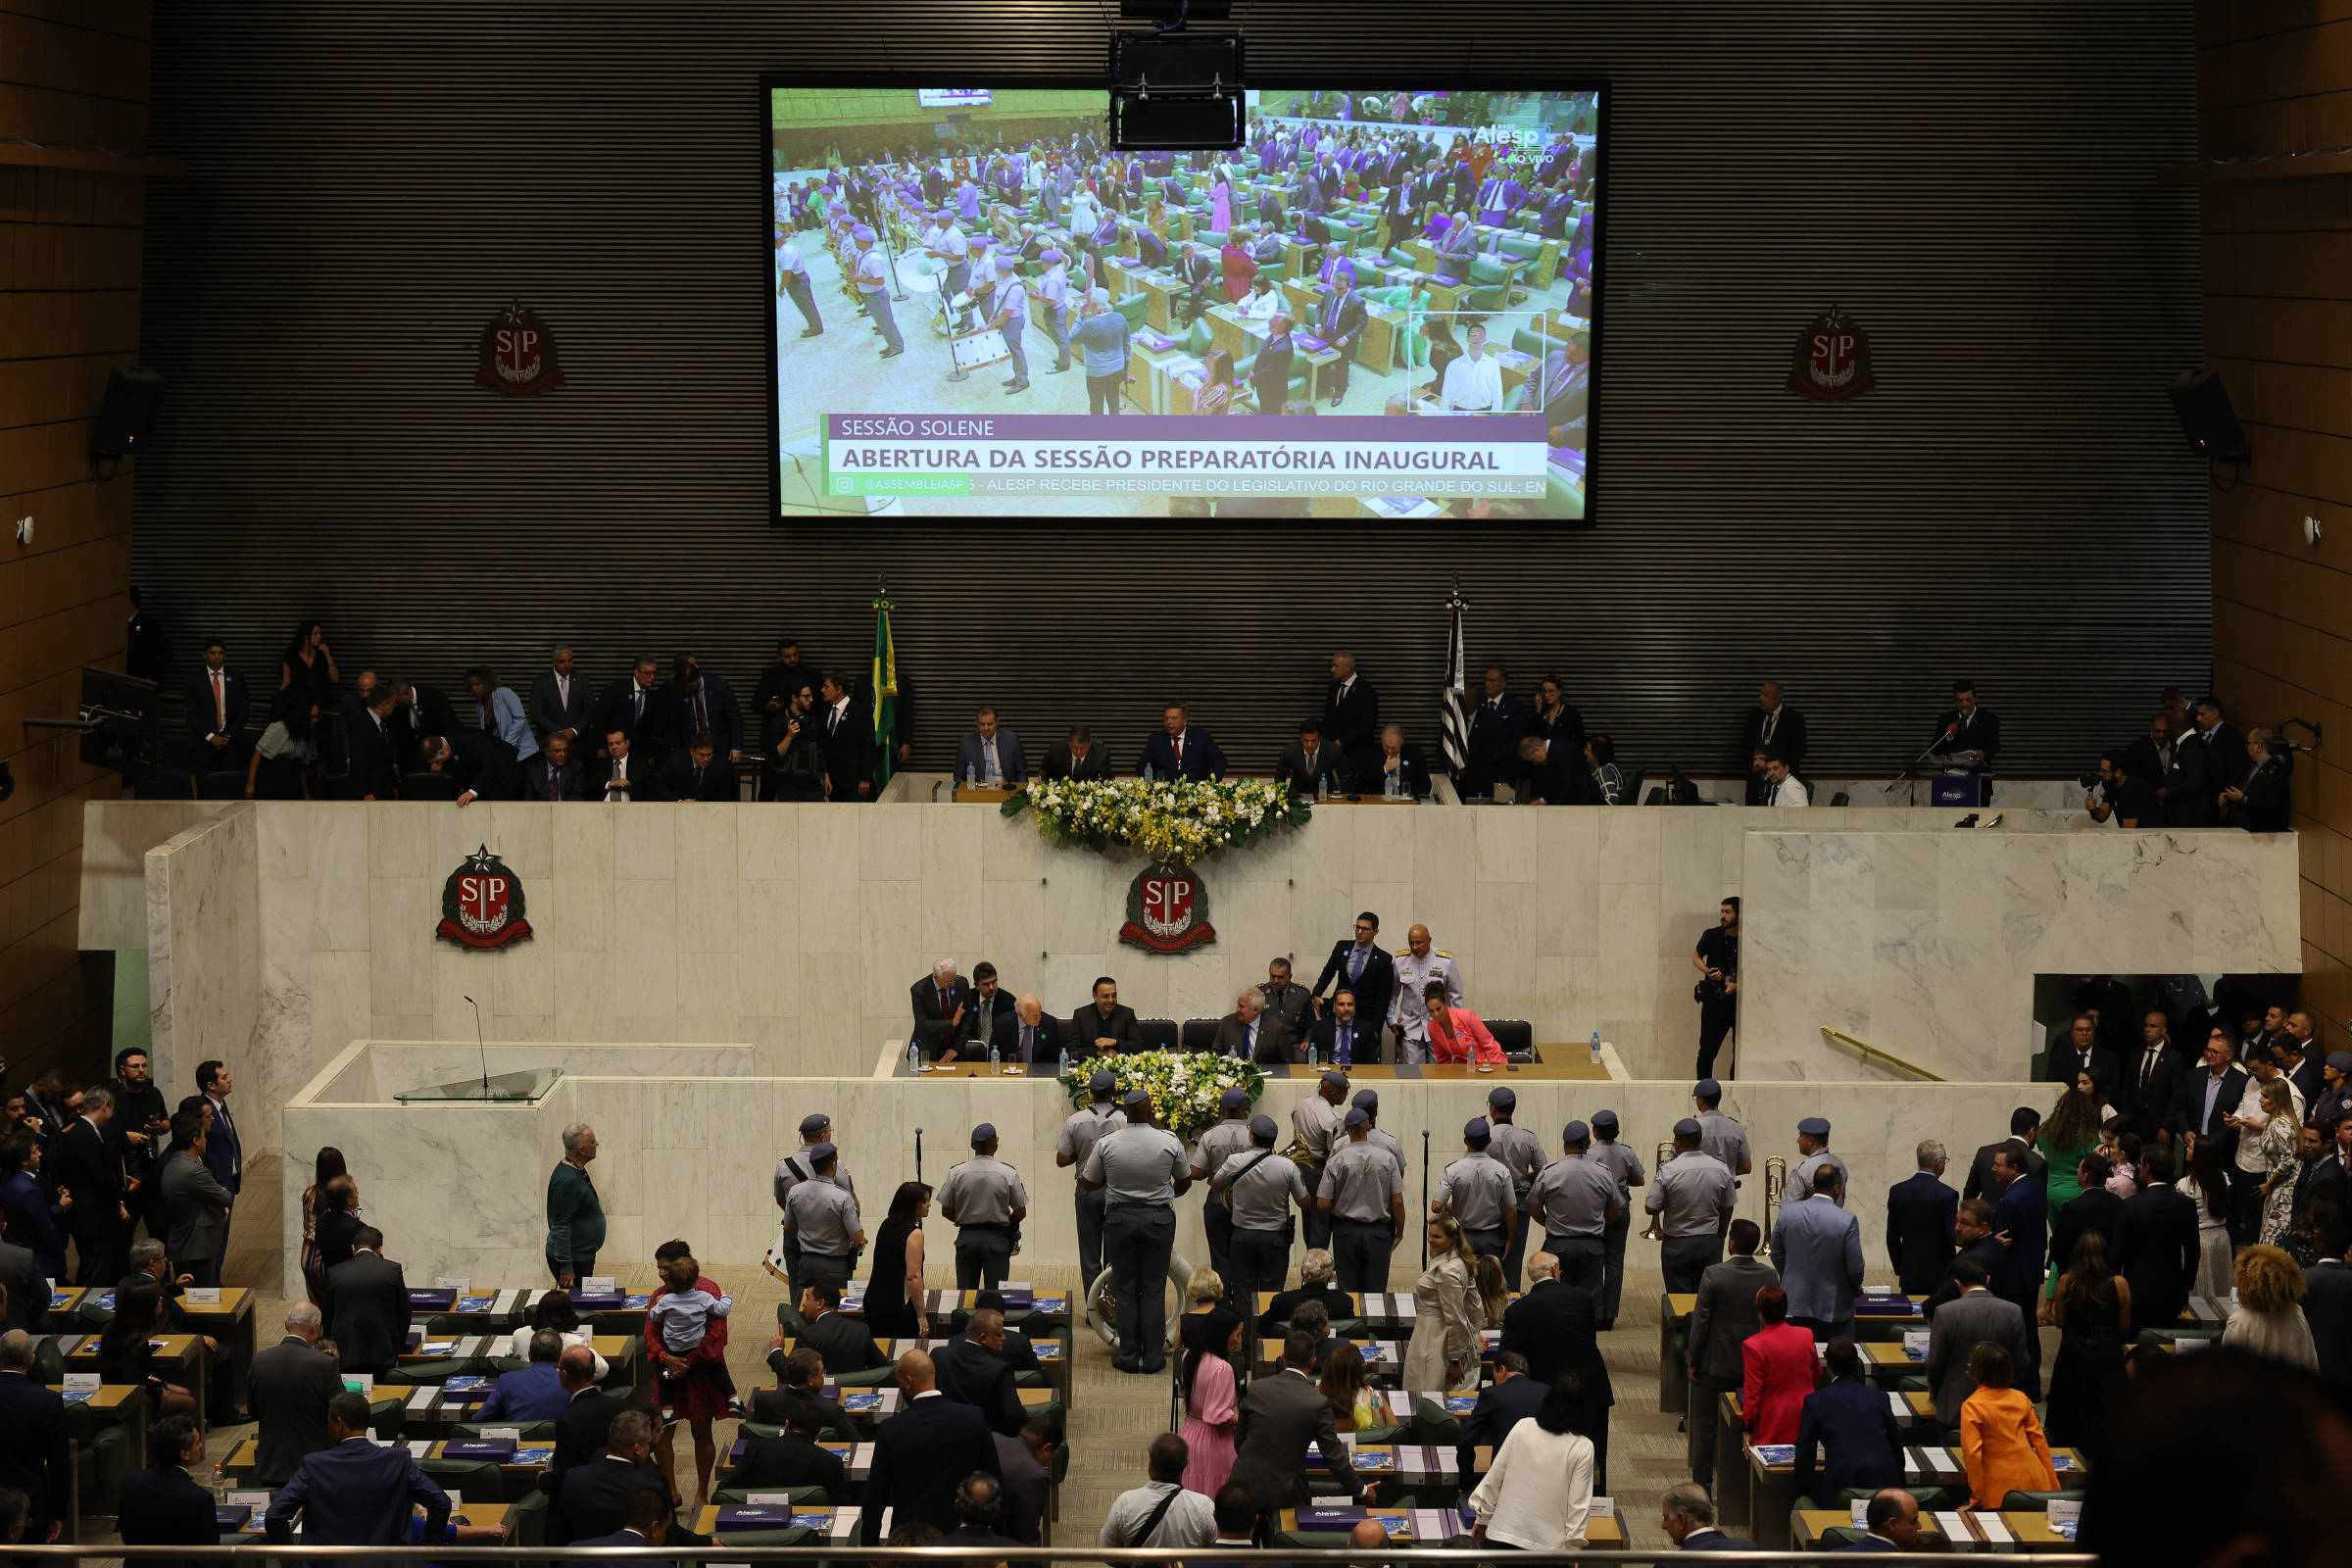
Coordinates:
(1249,1034)
(1817,1247)
(2021,1218)
(224,1150)
(1341,1039)
(992,753)
(355,1494)
(1340,323)
(1181,749)
(1363,967)
(1026,1035)
(1921,1215)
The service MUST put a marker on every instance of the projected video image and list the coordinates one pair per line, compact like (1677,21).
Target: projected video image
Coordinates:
(1381,307)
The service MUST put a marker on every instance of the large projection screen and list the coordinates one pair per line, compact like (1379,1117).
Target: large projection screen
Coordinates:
(1384,306)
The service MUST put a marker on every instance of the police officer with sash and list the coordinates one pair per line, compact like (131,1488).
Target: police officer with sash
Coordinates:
(816,1128)
(1260,1186)
(1572,1199)
(1477,1192)
(1625,1164)
(874,289)
(825,1218)
(1079,1134)
(1141,1169)
(1363,1192)
(1219,1143)
(984,1199)
(1518,1151)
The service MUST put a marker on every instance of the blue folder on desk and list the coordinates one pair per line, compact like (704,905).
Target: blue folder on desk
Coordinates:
(606,1302)
(1317,1517)
(499,1449)
(1774,1452)
(230,1520)
(465,1384)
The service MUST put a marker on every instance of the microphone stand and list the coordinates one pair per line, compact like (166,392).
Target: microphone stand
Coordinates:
(919,1153)
(1911,771)
(479,1046)
(1425,1197)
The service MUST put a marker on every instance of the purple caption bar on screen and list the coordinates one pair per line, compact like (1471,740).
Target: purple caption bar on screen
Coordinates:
(1224,428)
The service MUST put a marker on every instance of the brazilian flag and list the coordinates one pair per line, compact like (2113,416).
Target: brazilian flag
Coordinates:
(885,678)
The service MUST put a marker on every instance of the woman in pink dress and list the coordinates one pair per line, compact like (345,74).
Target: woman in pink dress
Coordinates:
(1210,1412)
(1221,206)
(1456,1034)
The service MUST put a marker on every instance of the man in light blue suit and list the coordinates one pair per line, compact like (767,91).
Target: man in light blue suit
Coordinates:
(992,751)
(1817,1247)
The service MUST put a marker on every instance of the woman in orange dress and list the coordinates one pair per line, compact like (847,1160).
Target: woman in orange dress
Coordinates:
(1456,1034)
(2000,1441)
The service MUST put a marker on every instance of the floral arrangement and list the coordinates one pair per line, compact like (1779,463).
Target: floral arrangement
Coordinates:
(1172,820)
(1187,1087)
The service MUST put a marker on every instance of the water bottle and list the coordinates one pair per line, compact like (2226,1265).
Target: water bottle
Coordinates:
(1311,1055)
(1595,1048)
(1065,1063)
(1388,785)
(1323,786)
(995,1060)
(914,1056)
(1146,773)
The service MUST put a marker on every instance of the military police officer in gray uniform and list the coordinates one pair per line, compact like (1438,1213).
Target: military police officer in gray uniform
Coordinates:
(1694,1197)
(1141,1169)
(794,1168)
(1813,1143)
(1219,1143)
(1369,1104)
(1260,1186)
(1520,1152)
(1573,1198)
(1625,1164)
(1477,1191)
(984,1199)
(1720,1137)
(1315,1122)
(1078,1135)
(1363,1193)
(823,1216)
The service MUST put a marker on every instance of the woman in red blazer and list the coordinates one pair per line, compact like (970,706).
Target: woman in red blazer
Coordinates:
(1456,1034)
(1782,1367)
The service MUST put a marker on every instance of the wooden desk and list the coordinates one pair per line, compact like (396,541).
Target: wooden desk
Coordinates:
(179,1358)
(1674,1373)
(1772,1486)
(1052,1359)
(1434,1527)
(2032,1530)
(1157,286)
(981,795)
(230,1325)
(1146,383)
(840,1527)
(1384,328)
(1390,1310)
(530,1458)
(487,1515)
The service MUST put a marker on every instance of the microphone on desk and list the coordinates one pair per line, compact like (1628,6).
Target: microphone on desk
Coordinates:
(479,1046)
(919,1153)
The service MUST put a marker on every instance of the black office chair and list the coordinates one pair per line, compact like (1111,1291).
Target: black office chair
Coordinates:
(223,784)
(1632,787)
(1199,1034)
(428,787)
(1655,797)
(1158,1033)
(1516,1037)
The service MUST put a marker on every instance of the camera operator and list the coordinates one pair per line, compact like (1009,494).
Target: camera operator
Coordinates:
(1717,959)
(2117,795)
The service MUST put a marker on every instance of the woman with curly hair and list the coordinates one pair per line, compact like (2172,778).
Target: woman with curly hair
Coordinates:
(2277,1147)
(2269,1321)
(2068,1133)
(1494,1295)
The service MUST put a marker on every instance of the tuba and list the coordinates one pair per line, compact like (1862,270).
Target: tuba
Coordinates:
(1665,1154)
(1776,1181)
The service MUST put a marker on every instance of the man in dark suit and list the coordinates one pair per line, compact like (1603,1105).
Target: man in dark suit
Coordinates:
(195,1204)
(2081,1052)
(632,706)
(1340,323)
(223,1146)
(649,1522)
(1312,765)
(1848,1425)
(1363,967)
(1030,1034)
(1974,1315)
(355,1494)
(1315,1271)
(555,772)
(34,1457)
(1027,1463)
(942,1001)
(2327,1307)
(218,706)
(800,1383)
(846,741)
(971,1371)
(2209,1095)
(700,703)
(2156,1242)
(338,1222)
(1251,1032)
(1771,725)
(2094,1209)
(1689,1521)
(480,764)
(1491,755)
(164,1506)
(1919,1223)
(586,1424)
(922,1452)
(697,775)
(2226,759)
(1966,732)
(992,749)
(2190,797)
(367,1307)
(623,773)
(1556,1326)
(842,1344)
(1181,749)
(1723,1318)
(1107,1026)
(288,1388)
(791,1459)
(1346,1038)
(2152,1075)
(82,1160)
(1279,1417)
(1503,1404)
(1972,1230)
(534,1391)
(1079,759)
(561,705)
(373,746)
(2020,1221)
(28,1289)
(2321,1174)
(1552,774)
(1390,756)
(594,1500)
(2025,1126)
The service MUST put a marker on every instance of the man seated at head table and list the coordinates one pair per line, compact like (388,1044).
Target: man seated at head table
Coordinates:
(1079,759)
(1105,1023)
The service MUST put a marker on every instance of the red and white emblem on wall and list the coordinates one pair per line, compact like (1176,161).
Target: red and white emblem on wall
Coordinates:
(1832,358)
(1167,911)
(517,354)
(482,904)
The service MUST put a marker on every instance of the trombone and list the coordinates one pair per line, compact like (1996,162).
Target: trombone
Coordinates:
(1665,1154)
(1775,1182)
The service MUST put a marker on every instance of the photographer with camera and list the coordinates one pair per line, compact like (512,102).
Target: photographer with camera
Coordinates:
(2116,795)
(1717,959)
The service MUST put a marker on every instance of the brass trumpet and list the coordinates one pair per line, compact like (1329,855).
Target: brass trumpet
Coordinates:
(1665,1154)
(1776,1181)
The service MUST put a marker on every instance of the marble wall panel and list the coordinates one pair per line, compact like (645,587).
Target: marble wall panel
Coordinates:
(203,948)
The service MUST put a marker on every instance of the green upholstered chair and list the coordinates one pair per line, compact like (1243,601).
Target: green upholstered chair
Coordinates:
(1199,340)
(1490,283)
(1526,340)
(477,1478)
(1133,307)
(529,1517)
(2036,1501)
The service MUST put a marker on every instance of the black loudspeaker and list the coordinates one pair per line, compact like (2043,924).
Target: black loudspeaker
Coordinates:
(2206,417)
(134,395)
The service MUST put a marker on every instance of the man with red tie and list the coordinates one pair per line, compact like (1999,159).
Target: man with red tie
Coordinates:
(1182,748)
(218,706)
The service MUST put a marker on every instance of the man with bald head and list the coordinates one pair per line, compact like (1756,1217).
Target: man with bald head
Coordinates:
(1409,1006)
(920,1454)
(1027,1035)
